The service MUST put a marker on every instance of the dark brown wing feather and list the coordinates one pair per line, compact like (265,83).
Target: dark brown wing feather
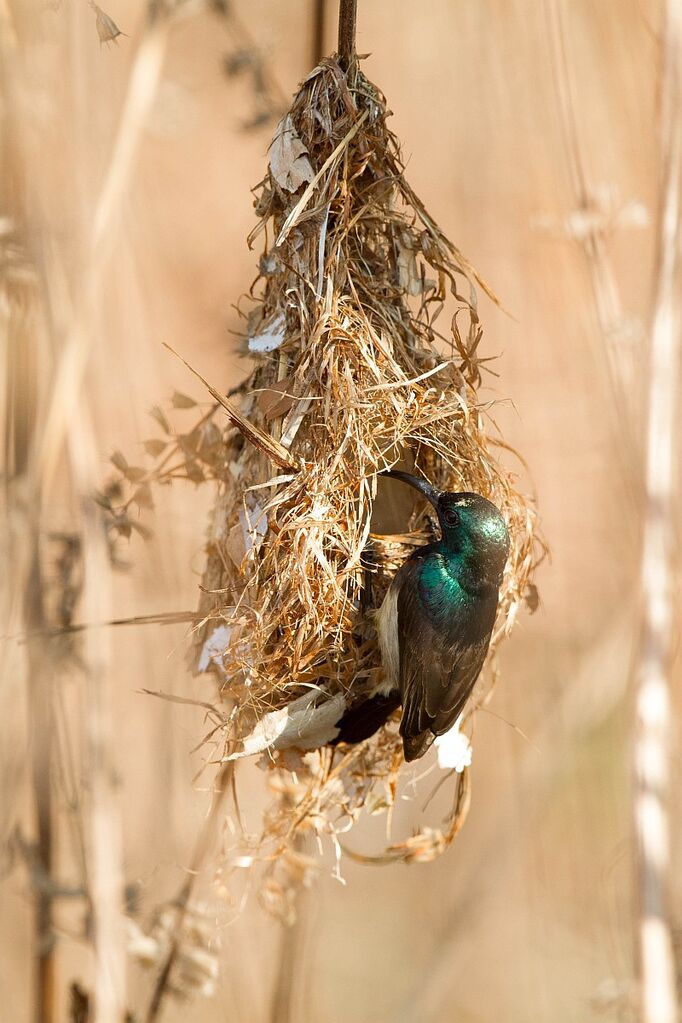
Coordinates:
(440,660)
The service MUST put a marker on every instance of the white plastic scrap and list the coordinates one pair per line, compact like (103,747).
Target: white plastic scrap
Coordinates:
(213,650)
(454,749)
(254,526)
(301,724)
(270,337)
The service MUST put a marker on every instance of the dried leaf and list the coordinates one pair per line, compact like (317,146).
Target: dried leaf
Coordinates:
(102,500)
(143,497)
(409,276)
(107,29)
(308,191)
(123,527)
(134,473)
(289,163)
(235,544)
(301,724)
(238,61)
(531,596)
(211,436)
(159,415)
(273,401)
(154,447)
(143,531)
(189,442)
(194,472)
(180,400)
(118,459)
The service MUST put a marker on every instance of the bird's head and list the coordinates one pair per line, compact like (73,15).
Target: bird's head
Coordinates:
(471,525)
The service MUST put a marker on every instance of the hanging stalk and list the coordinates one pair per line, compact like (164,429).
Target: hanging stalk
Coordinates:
(24,571)
(608,304)
(652,730)
(204,845)
(40,703)
(40,679)
(348,16)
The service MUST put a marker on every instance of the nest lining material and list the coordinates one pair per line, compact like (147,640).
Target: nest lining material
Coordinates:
(352,376)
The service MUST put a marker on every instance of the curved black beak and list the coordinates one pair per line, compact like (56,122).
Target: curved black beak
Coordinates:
(423,486)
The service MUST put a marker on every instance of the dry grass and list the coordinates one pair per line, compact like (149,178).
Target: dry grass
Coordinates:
(353,375)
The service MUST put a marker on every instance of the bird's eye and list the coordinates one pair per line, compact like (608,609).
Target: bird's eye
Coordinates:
(451,517)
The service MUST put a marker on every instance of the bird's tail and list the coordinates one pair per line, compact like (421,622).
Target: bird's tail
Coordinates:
(361,722)
(415,746)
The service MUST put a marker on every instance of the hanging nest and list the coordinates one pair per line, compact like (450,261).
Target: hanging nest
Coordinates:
(352,376)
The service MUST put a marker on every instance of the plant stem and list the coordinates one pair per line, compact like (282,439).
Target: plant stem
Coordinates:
(652,748)
(205,841)
(40,699)
(291,953)
(26,578)
(608,304)
(348,15)
(65,391)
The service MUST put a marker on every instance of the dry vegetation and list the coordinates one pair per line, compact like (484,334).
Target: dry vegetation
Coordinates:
(352,375)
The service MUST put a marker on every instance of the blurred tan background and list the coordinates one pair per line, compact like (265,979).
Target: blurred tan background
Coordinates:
(529,915)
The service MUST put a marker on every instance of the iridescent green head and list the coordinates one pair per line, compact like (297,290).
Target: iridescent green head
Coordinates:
(472,526)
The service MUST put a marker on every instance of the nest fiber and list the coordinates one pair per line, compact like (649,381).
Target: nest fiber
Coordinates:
(364,331)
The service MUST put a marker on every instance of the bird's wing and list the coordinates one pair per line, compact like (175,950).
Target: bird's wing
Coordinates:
(438,667)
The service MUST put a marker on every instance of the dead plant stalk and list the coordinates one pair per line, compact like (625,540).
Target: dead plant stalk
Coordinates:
(202,850)
(24,573)
(652,725)
(354,273)
(608,305)
(348,17)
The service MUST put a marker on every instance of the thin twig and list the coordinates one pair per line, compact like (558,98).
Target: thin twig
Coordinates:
(205,841)
(275,451)
(608,305)
(142,86)
(68,425)
(348,16)
(104,831)
(291,953)
(40,697)
(652,728)
(24,577)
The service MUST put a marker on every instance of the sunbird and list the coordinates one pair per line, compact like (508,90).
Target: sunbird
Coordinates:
(435,622)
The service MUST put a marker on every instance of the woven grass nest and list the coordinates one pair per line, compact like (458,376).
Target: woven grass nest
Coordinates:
(365,334)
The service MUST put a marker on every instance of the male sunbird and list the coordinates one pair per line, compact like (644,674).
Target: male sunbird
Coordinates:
(436,620)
